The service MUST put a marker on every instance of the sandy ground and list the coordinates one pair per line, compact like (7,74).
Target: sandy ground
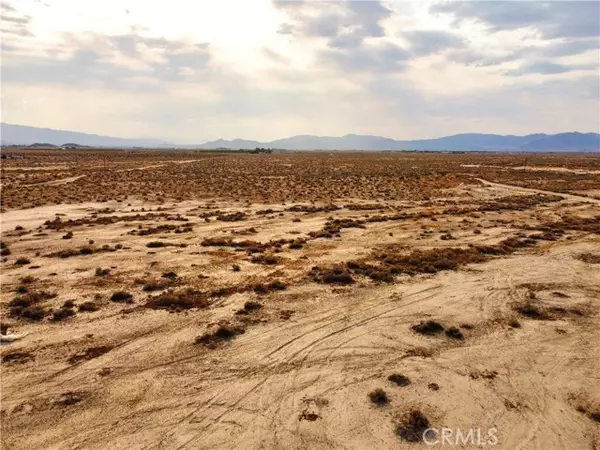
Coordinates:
(300,375)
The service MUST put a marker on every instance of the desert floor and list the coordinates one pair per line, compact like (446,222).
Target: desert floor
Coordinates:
(188,300)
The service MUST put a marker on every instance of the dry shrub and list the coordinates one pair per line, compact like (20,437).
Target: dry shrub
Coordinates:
(28,306)
(392,262)
(429,328)
(32,313)
(454,333)
(179,300)
(586,224)
(589,258)
(89,307)
(334,227)
(17,357)
(28,279)
(431,261)
(373,272)
(269,260)
(62,314)
(277,285)
(157,285)
(223,331)
(312,209)
(86,250)
(249,307)
(399,380)
(379,397)
(4,250)
(90,353)
(69,399)
(121,297)
(412,427)
(232,217)
(334,275)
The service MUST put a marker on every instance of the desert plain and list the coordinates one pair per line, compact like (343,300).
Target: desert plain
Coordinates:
(170,299)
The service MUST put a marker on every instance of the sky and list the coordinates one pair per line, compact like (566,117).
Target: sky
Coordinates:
(190,71)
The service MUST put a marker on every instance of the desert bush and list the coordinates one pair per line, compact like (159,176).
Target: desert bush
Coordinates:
(413,426)
(277,285)
(157,285)
(88,307)
(101,272)
(334,275)
(265,259)
(249,306)
(62,313)
(399,380)
(429,327)
(28,279)
(90,353)
(33,313)
(379,397)
(178,300)
(454,333)
(589,258)
(121,297)
(223,331)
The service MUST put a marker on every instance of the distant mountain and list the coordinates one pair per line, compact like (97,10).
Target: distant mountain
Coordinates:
(588,142)
(573,142)
(23,135)
(563,142)
(42,145)
(236,144)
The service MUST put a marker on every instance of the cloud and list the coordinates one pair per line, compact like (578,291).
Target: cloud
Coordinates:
(548,68)
(115,62)
(372,58)
(544,58)
(346,23)
(553,19)
(13,23)
(5,7)
(425,42)
(402,70)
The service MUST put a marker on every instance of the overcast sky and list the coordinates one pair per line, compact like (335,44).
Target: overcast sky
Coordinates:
(196,70)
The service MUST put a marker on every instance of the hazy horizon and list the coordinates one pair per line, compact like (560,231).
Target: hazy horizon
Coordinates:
(243,138)
(191,72)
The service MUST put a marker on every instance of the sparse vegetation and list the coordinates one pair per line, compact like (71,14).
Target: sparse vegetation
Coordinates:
(121,297)
(589,258)
(429,328)
(165,240)
(412,427)
(223,331)
(379,397)
(399,380)
(179,300)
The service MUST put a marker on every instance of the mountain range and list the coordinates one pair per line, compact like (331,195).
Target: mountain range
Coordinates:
(562,142)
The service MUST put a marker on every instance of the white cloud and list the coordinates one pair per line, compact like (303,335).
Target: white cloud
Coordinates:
(197,70)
